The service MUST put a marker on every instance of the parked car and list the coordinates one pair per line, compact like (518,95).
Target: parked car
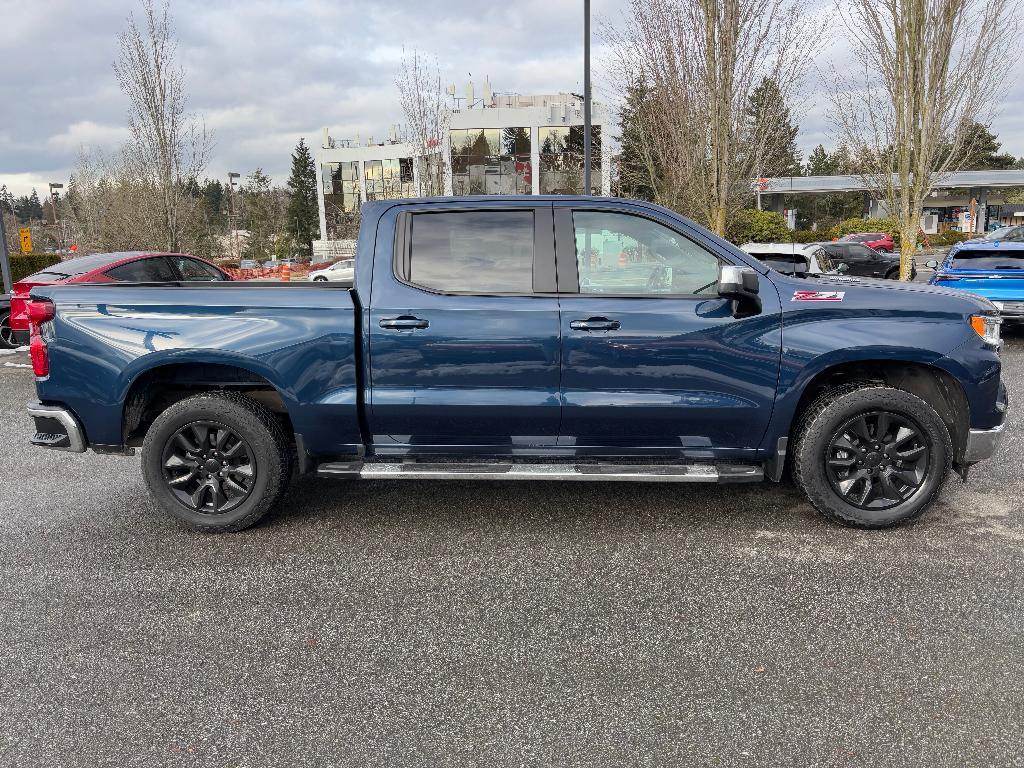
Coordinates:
(864,261)
(525,338)
(7,340)
(135,266)
(343,270)
(248,264)
(993,269)
(880,241)
(794,259)
(278,262)
(1010,234)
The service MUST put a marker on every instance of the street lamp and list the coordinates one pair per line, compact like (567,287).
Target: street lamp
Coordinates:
(586,98)
(54,186)
(234,220)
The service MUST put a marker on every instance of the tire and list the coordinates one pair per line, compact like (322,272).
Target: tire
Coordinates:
(319,279)
(893,274)
(225,427)
(6,334)
(905,474)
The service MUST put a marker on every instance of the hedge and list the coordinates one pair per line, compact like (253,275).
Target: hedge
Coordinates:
(25,264)
(856,226)
(753,226)
(949,238)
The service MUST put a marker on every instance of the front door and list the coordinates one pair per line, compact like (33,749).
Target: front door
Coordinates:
(464,348)
(653,360)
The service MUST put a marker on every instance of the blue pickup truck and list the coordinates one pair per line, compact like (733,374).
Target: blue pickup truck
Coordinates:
(993,268)
(525,338)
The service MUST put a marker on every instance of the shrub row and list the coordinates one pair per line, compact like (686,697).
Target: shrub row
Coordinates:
(25,264)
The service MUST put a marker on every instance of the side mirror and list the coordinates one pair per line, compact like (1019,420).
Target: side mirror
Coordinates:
(843,268)
(932,264)
(741,285)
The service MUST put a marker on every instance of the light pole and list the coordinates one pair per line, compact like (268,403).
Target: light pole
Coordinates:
(586,98)
(58,232)
(234,221)
(5,264)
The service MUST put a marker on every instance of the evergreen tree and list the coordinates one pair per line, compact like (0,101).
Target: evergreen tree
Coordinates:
(28,208)
(259,215)
(303,212)
(819,163)
(770,126)
(634,173)
(983,151)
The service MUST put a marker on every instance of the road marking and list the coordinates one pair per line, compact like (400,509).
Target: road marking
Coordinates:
(17,365)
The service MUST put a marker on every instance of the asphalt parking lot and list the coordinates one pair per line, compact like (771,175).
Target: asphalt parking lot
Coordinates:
(504,624)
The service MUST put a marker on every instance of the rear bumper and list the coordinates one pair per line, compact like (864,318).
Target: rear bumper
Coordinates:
(57,428)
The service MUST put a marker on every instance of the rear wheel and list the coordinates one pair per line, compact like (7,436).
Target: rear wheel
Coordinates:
(6,334)
(871,457)
(216,461)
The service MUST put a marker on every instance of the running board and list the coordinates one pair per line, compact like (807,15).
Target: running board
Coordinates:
(644,473)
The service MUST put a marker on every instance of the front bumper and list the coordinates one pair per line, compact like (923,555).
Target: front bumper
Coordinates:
(57,428)
(982,443)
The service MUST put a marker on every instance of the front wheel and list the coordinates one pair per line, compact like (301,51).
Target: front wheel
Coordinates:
(218,461)
(6,333)
(893,274)
(871,456)
(319,279)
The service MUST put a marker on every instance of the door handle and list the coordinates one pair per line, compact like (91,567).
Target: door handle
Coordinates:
(403,323)
(595,324)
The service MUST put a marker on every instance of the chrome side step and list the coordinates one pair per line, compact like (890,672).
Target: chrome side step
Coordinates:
(646,473)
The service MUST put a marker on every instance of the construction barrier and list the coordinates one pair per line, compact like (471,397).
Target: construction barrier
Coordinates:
(262,273)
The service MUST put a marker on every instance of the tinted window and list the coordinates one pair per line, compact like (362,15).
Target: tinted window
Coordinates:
(155,270)
(988,259)
(859,252)
(472,251)
(190,269)
(622,254)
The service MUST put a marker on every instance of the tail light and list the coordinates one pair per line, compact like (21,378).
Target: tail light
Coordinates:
(19,305)
(39,311)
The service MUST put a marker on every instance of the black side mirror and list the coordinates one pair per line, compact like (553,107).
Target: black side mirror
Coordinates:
(741,285)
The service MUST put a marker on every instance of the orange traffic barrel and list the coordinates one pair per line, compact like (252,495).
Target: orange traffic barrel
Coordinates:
(286,272)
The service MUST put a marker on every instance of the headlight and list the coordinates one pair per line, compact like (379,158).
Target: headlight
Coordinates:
(987,326)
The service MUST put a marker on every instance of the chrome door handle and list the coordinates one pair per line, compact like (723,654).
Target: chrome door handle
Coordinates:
(403,323)
(595,324)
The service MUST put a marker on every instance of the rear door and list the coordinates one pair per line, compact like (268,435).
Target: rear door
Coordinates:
(464,330)
(154,269)
(653,360)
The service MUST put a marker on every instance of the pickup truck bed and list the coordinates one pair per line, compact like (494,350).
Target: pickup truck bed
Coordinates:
(525,338)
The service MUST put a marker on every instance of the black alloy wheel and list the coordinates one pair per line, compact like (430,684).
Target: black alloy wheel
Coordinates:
(6,332)
(208,467)
(877,460)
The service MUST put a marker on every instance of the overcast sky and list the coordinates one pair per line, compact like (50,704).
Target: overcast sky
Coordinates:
(264,73)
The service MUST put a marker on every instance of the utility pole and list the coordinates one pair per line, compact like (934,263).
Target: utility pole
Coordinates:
(586,98)
(58,231)
(5,262)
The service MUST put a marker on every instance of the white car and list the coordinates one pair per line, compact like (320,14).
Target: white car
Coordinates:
(343,270)
(792,258)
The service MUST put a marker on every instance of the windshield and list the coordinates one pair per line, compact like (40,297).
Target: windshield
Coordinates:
(823,259)
(1014,234)
(988,259)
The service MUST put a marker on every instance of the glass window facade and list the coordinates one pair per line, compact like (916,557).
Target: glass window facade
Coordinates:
(561,160)
(491,161)
(341,197)
(389,179)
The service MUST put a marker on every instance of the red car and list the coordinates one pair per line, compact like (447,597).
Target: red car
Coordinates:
(880,241)
(128,267)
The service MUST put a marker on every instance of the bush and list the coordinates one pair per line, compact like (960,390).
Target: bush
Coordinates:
(753,226)
(948,238)
(809,236)
(25,264)
(856,226)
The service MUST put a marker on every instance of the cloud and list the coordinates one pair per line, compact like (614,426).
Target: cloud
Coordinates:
(90,135)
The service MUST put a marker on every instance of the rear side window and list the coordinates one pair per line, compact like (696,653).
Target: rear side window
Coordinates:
(480,252)
(193,270)
(155,270)
(992,258)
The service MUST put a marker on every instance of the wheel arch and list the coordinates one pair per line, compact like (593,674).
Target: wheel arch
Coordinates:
(156,388)
(932,384)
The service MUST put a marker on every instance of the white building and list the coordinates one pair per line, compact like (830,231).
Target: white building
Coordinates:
(500,144)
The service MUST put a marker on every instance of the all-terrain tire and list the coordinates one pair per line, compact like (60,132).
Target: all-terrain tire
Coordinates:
(264,439)
(821,422)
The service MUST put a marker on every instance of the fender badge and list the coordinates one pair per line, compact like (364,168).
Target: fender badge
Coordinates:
(818,295)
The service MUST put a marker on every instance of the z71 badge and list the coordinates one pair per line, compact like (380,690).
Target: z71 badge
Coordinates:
(818,295)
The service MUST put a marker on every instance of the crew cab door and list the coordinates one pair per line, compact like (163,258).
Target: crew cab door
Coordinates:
(463,329)
(653,360)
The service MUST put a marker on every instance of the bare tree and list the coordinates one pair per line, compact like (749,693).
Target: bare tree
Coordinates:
(696,63)
(422,98)
(928,68)
(167,146)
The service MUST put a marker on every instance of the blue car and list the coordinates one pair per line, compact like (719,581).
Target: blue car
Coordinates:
(990,268)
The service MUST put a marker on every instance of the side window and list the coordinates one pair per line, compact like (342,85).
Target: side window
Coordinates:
(861,253)
(622,254)
(193,270)
(154,270)
(481,252)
